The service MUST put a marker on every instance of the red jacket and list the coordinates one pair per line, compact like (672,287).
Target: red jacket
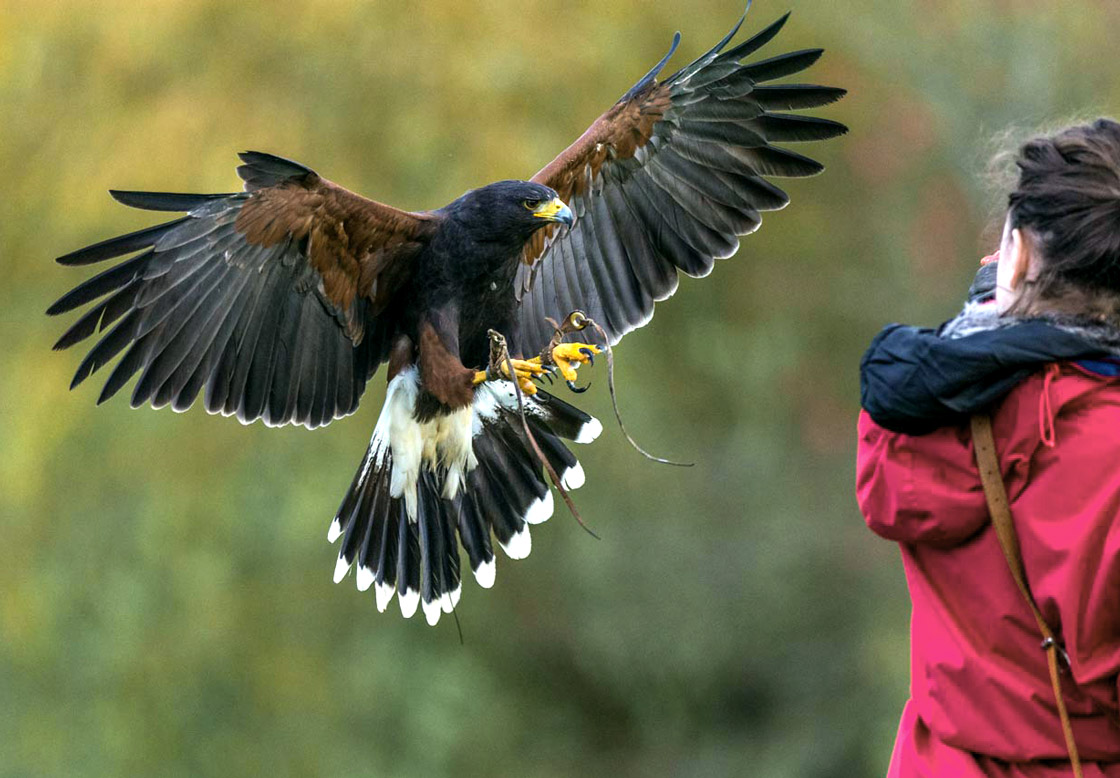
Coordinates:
(981,701)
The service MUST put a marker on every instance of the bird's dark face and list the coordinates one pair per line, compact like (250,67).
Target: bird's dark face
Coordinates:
(510,210)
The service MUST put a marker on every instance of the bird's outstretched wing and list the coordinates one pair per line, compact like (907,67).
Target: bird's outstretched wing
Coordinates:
(276,300)
(667,180)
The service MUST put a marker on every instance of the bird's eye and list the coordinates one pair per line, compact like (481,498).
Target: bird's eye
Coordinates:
(532,205)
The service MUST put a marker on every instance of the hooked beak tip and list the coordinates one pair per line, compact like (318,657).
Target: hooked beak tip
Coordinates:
(555,210)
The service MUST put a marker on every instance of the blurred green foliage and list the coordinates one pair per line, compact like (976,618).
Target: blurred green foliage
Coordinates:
(166,605)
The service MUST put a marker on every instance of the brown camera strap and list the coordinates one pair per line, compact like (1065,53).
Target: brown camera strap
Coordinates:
(1000,508)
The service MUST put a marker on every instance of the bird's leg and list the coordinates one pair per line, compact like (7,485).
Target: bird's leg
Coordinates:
(524,369)
(566,357)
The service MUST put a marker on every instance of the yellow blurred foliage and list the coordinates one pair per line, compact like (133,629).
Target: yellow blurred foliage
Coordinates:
(165,597)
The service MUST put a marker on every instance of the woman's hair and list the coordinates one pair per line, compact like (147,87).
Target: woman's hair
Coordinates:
(1067,201)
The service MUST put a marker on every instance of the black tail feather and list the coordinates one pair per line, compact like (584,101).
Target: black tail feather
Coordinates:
(486,483)
(417,556)
(475,536)
(559,457)
(563,418)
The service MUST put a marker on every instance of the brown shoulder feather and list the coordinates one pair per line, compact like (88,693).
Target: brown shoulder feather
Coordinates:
(359,247)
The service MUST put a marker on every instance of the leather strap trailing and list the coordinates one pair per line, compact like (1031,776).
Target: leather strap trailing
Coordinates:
(1000,508)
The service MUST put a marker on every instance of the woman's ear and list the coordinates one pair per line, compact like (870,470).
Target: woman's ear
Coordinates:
(1024,259)
(1017,264)
(1020,254)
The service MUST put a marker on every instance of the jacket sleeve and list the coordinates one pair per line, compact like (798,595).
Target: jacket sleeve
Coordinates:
(919,489)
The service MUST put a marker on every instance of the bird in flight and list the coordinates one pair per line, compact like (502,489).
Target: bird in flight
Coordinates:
(281,301)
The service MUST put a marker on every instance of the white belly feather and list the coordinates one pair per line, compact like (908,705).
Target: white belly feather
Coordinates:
(442,445)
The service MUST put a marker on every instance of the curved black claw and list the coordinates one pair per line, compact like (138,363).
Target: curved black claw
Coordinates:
(589,354)
(547,374)
(577,389)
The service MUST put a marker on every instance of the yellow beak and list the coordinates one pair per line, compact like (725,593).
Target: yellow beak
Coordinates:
(555,211)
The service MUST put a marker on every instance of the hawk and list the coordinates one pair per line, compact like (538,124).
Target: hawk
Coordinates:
(281,301)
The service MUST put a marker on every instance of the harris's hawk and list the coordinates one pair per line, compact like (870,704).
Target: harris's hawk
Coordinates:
(281,301)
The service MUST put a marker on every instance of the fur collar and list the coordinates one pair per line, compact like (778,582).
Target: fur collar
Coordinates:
(982,317)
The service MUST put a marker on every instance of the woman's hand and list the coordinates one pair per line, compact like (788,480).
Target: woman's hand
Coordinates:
(983,287)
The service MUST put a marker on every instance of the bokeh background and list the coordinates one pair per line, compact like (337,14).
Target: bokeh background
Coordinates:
(166,605)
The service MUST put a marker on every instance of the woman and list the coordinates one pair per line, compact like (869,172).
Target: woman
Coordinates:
(1042,355)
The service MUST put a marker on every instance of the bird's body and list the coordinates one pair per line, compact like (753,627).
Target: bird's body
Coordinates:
(280,302)
(463,286)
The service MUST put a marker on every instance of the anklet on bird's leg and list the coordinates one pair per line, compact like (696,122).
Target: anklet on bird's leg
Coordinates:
(557,356)
(566,357)
(500,364)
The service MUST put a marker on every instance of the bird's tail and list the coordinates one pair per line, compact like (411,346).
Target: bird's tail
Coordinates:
(470,477)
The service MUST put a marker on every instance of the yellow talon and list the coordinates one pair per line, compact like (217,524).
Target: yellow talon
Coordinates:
(523,370)
(568,356)
(524,367)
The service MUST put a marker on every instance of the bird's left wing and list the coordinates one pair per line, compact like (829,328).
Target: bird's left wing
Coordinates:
(666,180)
(277,301)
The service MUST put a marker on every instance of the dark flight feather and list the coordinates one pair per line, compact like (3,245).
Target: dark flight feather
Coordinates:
(118,247)
(299,303)
(164,201)
(789,97)
(781,65)
(666,181)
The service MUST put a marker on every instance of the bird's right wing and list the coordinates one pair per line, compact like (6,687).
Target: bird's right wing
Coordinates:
(276,300)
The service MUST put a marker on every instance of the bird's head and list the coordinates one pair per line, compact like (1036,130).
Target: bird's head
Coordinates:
(510,210)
